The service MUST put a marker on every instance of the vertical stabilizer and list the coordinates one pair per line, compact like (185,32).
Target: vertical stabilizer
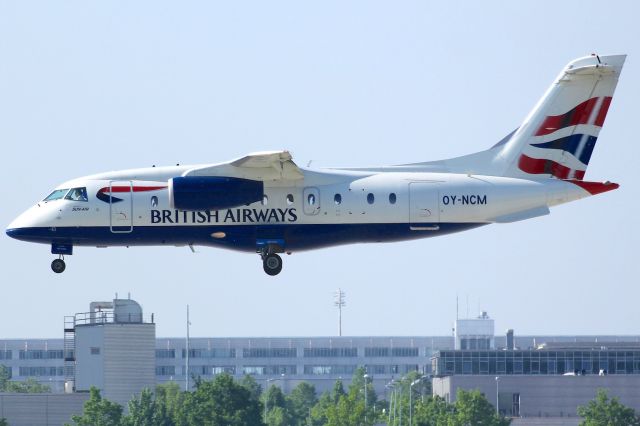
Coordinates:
(558,136)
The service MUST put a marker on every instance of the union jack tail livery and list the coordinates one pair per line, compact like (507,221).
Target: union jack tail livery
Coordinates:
(558,137)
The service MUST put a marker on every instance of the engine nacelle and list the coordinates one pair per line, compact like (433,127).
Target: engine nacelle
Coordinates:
(213,192)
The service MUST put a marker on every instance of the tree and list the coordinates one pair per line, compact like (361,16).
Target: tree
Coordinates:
(274,400)
(142,410)
(5,376)
(169,400)
(603,411)
(433,411)
(300,402)
(249,382)
(3,422)
(98,411)
(30,385)
(221,402)
(472,408)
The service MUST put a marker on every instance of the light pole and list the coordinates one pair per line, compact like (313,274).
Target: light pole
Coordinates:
(415,382)
(266,400)
(365,377)
(497,395)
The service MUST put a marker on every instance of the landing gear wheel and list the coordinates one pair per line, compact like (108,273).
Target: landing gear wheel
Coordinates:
(58,266)
(272,264)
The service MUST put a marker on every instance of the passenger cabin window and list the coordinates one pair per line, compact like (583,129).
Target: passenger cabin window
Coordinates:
(392,198)
(77,194)
(311,199)
(337,199)
(154,201)
(265,200)
(370,198)
(289,199)
(57,194)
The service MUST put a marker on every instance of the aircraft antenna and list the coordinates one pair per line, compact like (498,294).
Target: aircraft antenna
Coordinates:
(339,296)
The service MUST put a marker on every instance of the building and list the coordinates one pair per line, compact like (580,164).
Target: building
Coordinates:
(548,382)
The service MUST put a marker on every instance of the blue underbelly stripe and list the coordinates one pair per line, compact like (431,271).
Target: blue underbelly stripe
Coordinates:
(240,237)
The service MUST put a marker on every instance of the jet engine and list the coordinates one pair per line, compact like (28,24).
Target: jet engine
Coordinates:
(213,192)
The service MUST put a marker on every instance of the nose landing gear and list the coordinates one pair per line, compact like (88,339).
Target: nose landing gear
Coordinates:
(58,266)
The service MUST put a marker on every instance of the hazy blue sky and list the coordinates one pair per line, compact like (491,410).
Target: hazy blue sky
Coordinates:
(91,86)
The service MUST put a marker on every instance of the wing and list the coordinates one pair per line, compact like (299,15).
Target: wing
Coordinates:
(264,166)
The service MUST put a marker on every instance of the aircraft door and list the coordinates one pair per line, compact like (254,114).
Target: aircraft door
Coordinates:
(121,206)
(424,206)
(311,201)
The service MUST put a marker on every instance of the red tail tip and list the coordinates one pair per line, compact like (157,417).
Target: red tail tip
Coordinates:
(594,188)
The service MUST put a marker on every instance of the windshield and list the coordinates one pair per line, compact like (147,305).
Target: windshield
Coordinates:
(77,194)
(57,194)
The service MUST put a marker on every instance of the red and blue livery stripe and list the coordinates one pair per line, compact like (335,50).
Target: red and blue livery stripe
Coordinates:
(578,115)
(102,192)
(572,144)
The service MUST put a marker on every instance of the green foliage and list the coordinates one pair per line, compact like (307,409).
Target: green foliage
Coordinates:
(5,376)
(221,402)
(300,402)
(252,386)
(605,411)
(99,411)
(3,422)
(28,386)
(472,408)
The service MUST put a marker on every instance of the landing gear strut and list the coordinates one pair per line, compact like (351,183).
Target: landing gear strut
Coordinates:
(58,266)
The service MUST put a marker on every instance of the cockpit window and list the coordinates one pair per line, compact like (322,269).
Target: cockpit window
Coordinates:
(57,194)
(77,194)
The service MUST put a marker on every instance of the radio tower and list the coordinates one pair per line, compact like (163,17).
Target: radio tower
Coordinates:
(339,302)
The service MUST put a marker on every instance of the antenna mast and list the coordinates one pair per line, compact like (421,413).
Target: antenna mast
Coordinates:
(339,296)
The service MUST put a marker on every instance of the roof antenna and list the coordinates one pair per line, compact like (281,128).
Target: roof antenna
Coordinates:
(598,56)
(309,163)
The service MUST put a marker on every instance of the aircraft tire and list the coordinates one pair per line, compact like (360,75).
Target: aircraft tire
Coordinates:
(58,266)
(272,264)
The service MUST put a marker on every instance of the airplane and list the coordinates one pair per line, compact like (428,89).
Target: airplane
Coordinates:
(264,203)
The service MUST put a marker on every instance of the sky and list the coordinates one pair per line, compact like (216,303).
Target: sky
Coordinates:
(91,86)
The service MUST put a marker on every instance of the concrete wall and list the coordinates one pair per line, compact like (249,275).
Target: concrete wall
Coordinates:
(40,409)
(544,396)
(129,361)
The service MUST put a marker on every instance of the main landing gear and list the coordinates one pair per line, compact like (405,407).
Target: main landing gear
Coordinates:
(271,262)
(58,266)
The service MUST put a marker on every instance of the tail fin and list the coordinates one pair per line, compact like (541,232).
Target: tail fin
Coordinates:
(558,137)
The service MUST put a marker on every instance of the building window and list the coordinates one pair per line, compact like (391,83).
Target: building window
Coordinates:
(269,353)
(6,354)
(95,351)
(392,198)
(165,353)
(404,352)
(370,198)
(337,199)
(41,354)
(165,370)
(376,351)
(318,370)
(330,352)
(229,369)
(209,353)
(269,370)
